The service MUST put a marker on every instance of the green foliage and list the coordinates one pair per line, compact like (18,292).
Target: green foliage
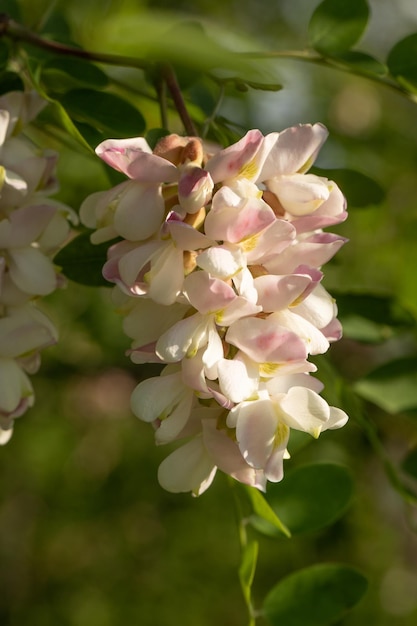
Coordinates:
(336,25)
(361,63)
(82,261)
(312,496)
(371,318)
(392,387)
(63,74)
(10,81)
(316,596)
(402,62)
(104,111)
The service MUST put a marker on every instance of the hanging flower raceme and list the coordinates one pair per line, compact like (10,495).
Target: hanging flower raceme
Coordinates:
(32,229)
(218,275)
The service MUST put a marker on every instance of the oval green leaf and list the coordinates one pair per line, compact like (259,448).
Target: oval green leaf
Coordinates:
(82,261)
(105,111)
(392,387)
(360,190)
(336,25)
(59,75)
(362,63)
(316,596)
(402,61)
(311,496)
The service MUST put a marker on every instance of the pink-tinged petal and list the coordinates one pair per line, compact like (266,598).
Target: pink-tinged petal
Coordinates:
(132,258)
(185,338)
(155,398)
(279,292)
(170,427)
(228,458)
(293,150)
(133,158)
(207,294)
(256,427)
(332,211)
(25,330)
(237,223)
(305,410)
(238,160)
(32,271)
(147,320)
(314,251)
(300,194)
(333,331)
(319,308)
(194,189)
(166,276)
(189,468)
(238,308)
(270,242)
(221,262)
(314,340)
(186,237)
(266,341)
(282,384)
(193,375)
(140,211)
(25,225)
(141,354)
(238,379)
(16,392)
(274,468)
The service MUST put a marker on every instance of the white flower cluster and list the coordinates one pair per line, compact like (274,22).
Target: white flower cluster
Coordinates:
(218,277)
(32,228)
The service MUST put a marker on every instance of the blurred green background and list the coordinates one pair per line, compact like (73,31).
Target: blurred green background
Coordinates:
(87,537)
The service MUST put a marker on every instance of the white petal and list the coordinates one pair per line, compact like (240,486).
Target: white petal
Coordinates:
(189,468)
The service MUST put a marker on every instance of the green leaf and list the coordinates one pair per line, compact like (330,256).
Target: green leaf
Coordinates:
(392,387)
(56,116)
(311,496)
(360,190)
(369,318)
(60,75)
(362,62)
(264,519)
(82,261)
(316,596)
(336,25)
(402,61)
(104,111)
(409,464)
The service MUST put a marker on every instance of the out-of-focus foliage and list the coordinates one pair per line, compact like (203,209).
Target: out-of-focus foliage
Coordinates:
(87,536)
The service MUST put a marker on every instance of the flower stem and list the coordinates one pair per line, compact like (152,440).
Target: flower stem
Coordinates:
(170,78)
(15,31)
